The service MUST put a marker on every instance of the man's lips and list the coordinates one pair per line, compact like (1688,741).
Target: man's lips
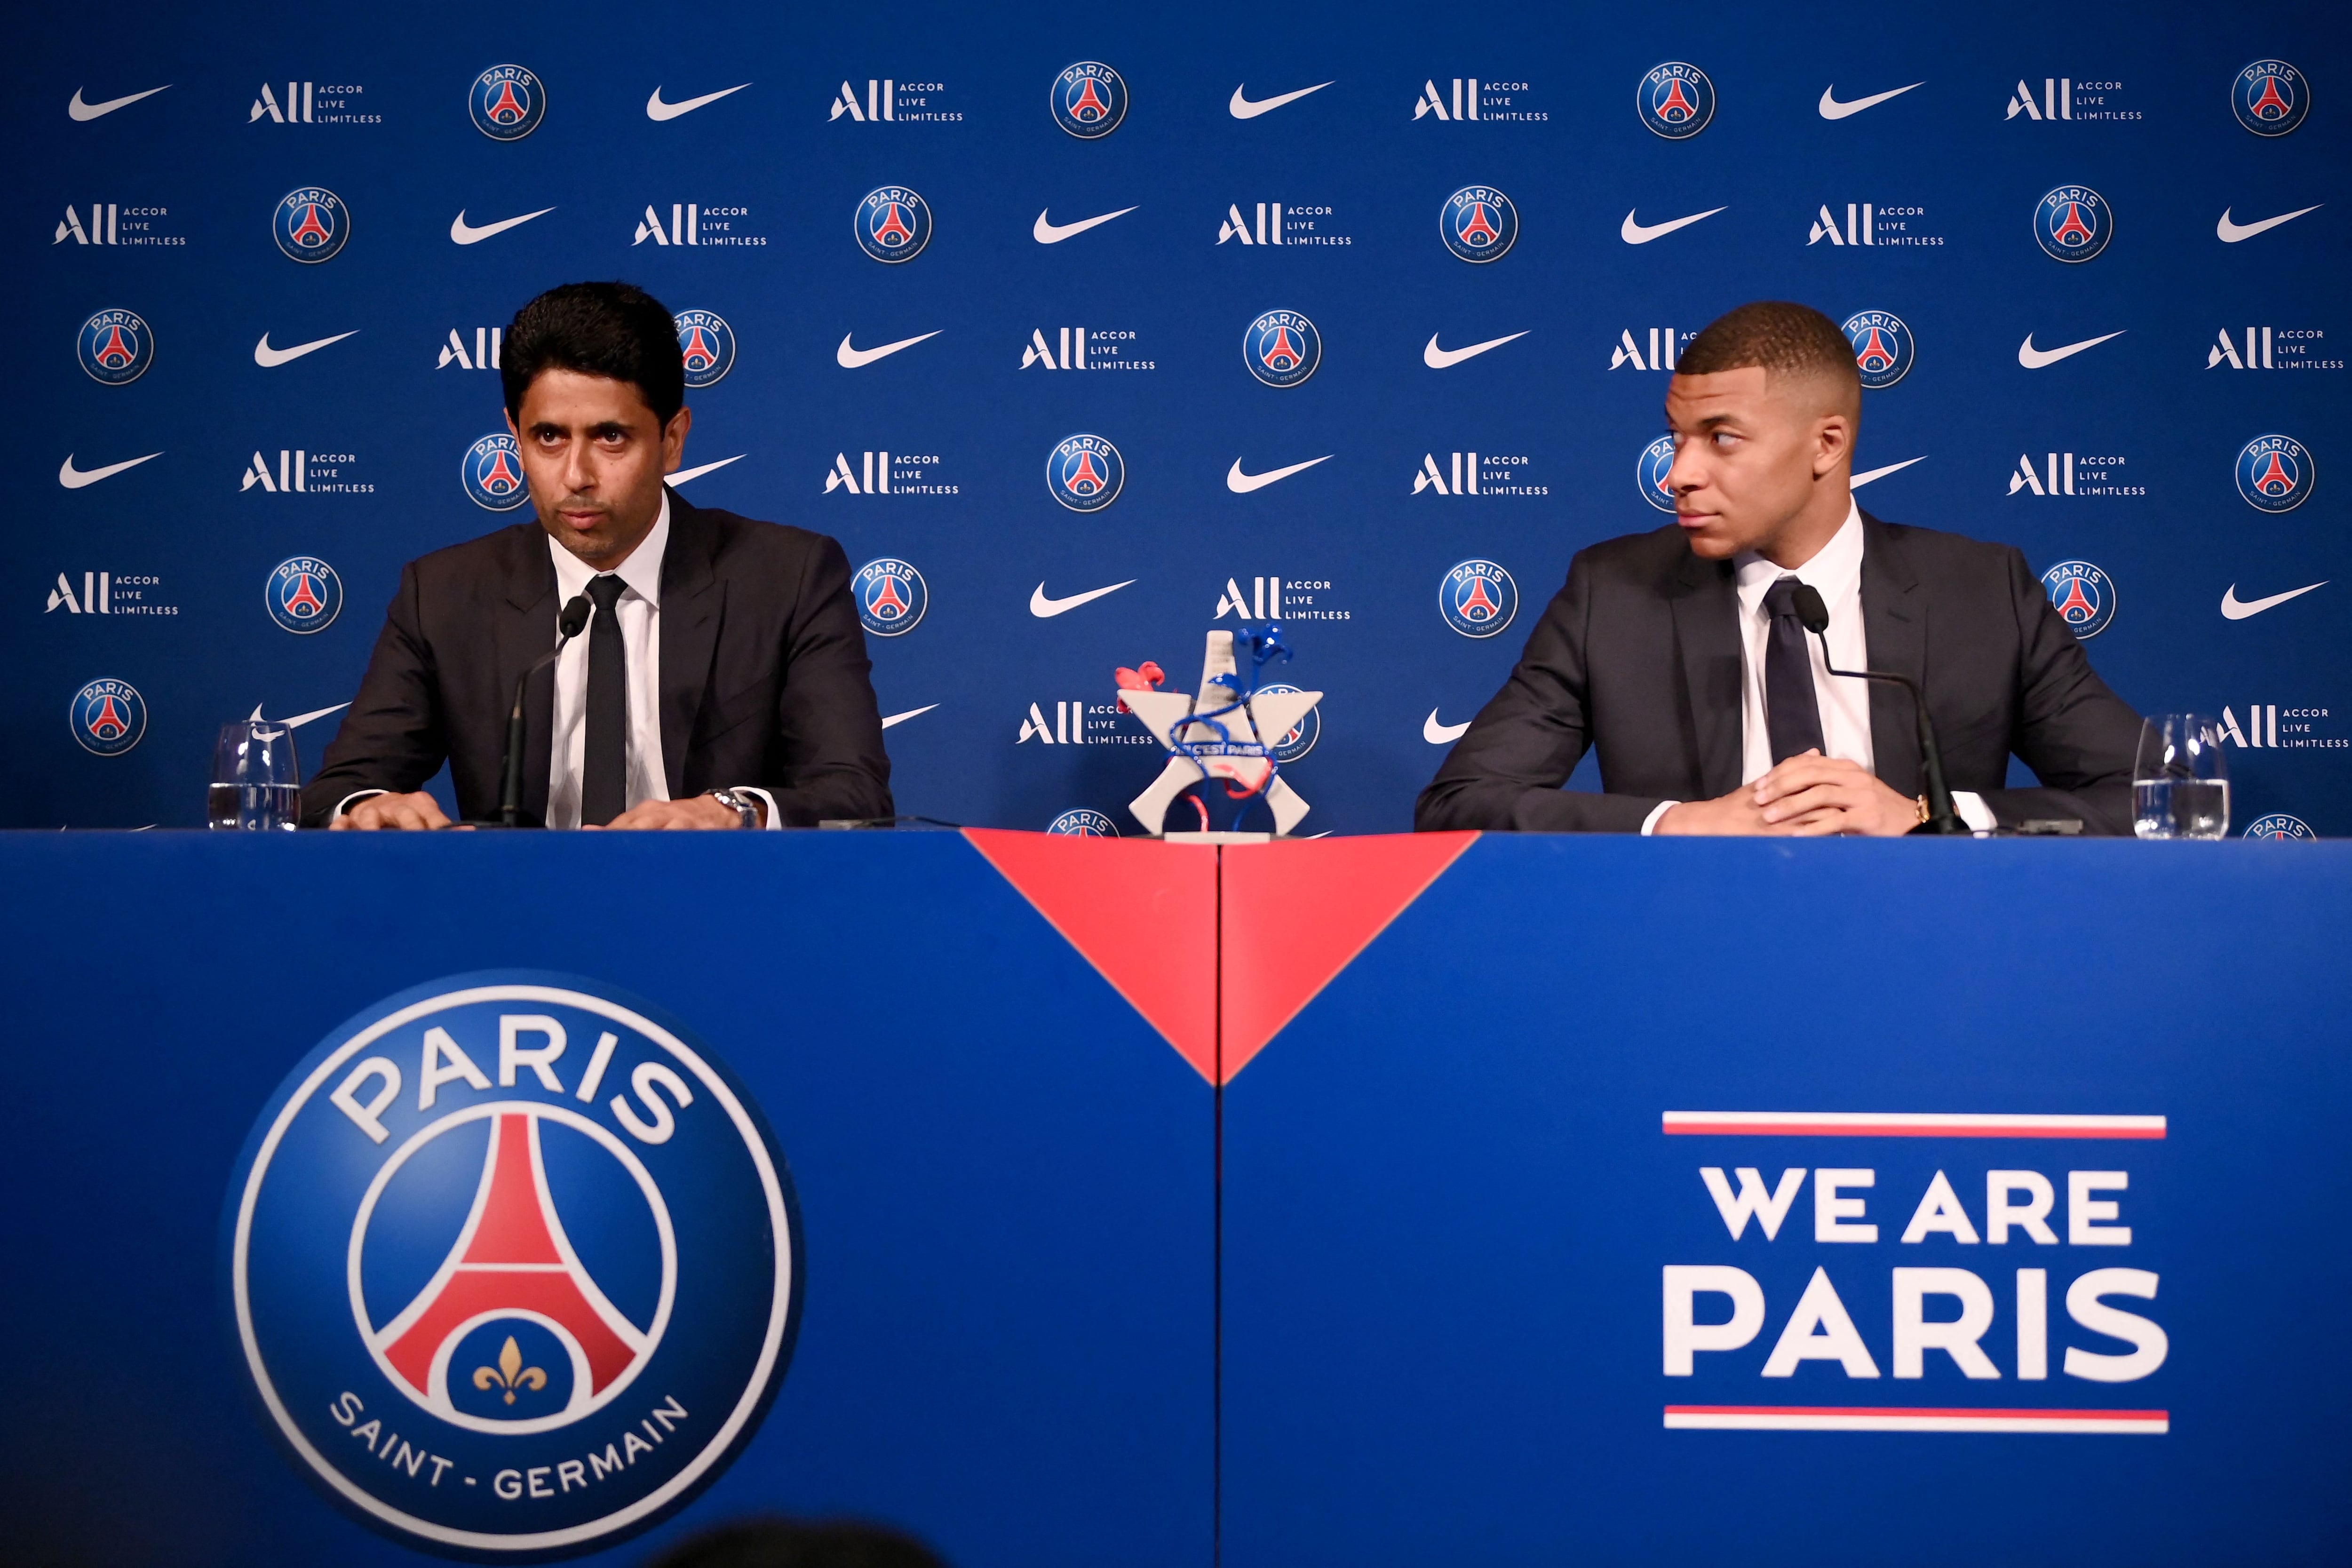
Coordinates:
(582,520)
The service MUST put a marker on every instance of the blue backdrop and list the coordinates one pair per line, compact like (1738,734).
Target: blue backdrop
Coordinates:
(2092,411)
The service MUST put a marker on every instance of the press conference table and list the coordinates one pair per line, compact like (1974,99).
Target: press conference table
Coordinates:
(1307,1203)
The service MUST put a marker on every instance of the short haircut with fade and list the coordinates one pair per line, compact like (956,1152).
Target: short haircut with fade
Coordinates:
(612,330)
(1782,338)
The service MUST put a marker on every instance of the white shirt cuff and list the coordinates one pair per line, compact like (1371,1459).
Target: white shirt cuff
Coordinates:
(344,804)
(775,818)
(1650,822)
(1970,808)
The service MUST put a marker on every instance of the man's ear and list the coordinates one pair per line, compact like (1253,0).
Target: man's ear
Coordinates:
(674,439)
(1832,442)
(513,430)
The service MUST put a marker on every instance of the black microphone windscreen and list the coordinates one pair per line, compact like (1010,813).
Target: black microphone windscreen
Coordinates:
(575,618)
(1810,611)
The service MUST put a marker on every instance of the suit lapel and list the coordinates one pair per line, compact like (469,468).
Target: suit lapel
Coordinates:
(1705,601)
(1894,630)
(690,600)
(526,629)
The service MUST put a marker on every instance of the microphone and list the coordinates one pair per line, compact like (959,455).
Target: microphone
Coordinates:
(570,624)
(1814,615)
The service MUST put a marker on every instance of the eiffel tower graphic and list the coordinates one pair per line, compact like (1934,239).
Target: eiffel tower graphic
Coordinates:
(510,1260)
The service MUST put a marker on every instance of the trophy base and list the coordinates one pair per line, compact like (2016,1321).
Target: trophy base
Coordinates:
(1197,837)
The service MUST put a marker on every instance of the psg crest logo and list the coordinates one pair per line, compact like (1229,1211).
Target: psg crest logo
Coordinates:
(1478,222)
(115,347)
(506,102)
(708,345)
(1299,739)
(2276,473)
(1282,348)
(1478,598)
(311,224)
(493,473)
(2074,222)
(1089,100)
(1650,474)
(1085,473)
(891,596)
(2270,97)
(514,1264)
(1676,100)
(107,717)
(1883,347)
(1082,822)
(2084,596)
(2279,825)
(303,595)
(893,224)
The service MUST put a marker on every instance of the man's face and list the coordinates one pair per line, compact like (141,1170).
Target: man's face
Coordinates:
(596,455)
(1749,451)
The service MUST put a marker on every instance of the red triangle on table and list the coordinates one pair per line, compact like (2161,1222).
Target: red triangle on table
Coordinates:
(1142,912)
(1296,914)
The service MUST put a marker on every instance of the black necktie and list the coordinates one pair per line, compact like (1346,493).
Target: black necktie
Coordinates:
(1793,716)
(604,776)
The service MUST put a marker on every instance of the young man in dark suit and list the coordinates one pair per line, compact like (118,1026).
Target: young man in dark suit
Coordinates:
(722,679)
(1678,654)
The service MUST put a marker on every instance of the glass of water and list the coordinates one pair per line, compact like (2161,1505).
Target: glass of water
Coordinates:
(2180,786)
(256,784)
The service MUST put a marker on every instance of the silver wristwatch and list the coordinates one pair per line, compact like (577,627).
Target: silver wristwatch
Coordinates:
(739,802)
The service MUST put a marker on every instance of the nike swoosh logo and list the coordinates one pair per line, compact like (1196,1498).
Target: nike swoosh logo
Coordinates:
(891,719)
(294,724)
(268,358)
(2238,609)
(2033,358)
(81,111)
(465,233)
(1241,484)
(656,109)
(1242,109)
(1436,358)
(1045,610)
(1054,233)
(1642,234)
(1832,109)
(683,475)
(74,478)
(2231,233)
(1859,481)
(853,359)
(1438,734)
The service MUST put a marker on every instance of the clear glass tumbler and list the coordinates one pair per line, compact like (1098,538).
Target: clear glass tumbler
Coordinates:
(2180,784)
(257,782)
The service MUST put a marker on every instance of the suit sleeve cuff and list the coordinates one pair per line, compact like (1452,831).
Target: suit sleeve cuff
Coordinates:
(775,819)
(1969,807)
(1650,822)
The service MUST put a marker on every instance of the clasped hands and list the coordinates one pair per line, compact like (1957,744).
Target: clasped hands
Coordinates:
(421,811)
(1806,796)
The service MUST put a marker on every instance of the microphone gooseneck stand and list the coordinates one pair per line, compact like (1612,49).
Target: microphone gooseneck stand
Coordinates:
(568,625)
(1941,818)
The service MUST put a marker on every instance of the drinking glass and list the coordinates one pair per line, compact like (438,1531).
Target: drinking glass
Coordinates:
(2180,786)
(256,784)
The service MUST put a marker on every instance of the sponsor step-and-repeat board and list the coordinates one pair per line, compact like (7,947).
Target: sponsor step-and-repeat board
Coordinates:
(1083,341)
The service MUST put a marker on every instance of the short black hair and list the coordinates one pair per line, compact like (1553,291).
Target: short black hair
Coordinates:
(1783,338)
(612,330)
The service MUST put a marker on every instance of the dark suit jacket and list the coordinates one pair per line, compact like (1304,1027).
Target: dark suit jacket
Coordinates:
(764,679)
(1638,657)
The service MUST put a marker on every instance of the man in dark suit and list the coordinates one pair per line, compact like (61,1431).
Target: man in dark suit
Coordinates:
(1678,654)
(722,679)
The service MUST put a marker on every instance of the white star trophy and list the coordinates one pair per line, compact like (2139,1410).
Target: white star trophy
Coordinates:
(1223,733)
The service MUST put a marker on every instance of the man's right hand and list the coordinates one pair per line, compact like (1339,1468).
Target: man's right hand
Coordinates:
(1733,815)
(417,812)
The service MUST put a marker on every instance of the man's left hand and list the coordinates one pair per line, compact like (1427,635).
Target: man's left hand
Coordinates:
(699,811)
(1823,795)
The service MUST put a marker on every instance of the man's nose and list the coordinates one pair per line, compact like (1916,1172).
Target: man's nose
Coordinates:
(578,475)
(1686,473)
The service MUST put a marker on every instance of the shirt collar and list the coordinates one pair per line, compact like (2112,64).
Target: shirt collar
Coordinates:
(641,573)
(1835,570)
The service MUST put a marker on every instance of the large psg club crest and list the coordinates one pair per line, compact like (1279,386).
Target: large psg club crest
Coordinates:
(514,1264)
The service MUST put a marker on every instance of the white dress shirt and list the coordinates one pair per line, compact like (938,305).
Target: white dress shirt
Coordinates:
(638,611)
(1835,573)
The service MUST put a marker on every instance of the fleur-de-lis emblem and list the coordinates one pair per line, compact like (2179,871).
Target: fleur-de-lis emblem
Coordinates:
(510,1374)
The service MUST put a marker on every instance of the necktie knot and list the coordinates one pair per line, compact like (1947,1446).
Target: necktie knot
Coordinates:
(1781,598)
(605,590)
